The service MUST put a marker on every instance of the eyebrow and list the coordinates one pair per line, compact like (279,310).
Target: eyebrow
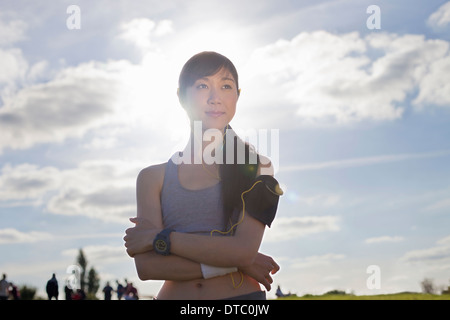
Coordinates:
(224,78)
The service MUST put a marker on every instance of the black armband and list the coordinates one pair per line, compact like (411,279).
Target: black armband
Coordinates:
(261,202)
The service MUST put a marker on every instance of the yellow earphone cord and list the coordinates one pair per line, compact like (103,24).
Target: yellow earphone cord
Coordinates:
(231,229)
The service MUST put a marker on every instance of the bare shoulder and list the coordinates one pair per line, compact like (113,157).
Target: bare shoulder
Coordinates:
(148,191)
(265,166)
(152,176)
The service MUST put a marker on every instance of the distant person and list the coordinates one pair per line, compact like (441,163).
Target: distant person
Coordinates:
(79,295)
(107,290)
(280,293)
(120,290)
(52,288)
(4,288)
(131,292)
(68,292)
(14,291)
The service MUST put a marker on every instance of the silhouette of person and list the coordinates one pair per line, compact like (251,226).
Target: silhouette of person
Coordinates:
(280,293)
(14,291)
(131,292)
(4,288)
(68,292)
(120,290)
(79,295)
(52,288)
(107,291)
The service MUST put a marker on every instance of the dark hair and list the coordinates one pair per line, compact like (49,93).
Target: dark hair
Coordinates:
(237,176)
(202,65)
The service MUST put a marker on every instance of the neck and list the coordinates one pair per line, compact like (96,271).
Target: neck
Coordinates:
(203,144)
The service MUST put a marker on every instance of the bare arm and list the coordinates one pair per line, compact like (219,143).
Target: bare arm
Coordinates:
(149,265)
(238,250)
(152,266)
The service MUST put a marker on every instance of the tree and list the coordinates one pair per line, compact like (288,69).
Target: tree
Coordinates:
(428,286)
(82,262)
(27,293)
(335,292)
(93,282)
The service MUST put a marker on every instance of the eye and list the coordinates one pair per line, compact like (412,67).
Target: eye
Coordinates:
(202,86)
(227,86)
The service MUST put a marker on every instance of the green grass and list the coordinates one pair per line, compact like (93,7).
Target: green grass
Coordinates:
(393,296)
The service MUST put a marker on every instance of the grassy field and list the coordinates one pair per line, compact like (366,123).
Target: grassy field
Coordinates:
(394,296)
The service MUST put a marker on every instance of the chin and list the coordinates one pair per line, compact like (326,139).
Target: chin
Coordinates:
(218,124)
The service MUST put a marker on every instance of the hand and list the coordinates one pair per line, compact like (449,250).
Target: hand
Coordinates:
(139,238)
(261,270)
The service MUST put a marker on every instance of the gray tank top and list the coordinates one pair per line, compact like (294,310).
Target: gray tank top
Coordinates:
(190,211)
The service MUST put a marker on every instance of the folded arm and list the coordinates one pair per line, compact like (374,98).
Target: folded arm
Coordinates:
(239,250)
(188,251)
(152,266)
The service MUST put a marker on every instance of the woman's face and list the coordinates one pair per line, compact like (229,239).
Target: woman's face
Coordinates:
(212,100)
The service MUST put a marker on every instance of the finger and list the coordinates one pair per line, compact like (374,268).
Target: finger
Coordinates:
(267,285)
(130,253)
(276,268)
(130,230)
(134,219)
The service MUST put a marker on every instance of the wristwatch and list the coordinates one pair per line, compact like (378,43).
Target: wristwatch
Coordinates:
(161,244)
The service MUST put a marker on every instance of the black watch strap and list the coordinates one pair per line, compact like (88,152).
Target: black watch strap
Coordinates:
(161,244)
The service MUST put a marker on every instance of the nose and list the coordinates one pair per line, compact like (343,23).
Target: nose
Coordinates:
(214,97)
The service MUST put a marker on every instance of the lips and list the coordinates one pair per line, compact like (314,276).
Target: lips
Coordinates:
(214,114)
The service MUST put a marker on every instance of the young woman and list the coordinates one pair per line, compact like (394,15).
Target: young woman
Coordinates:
(199,222)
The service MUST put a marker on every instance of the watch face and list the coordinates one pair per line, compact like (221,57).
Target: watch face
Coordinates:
(160,245)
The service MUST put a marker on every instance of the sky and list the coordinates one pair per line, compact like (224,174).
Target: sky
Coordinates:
(355,102)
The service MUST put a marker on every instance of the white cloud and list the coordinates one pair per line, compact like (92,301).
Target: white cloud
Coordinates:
(102,190)
(13,66)
(320,77)
(324,200)
(111,204)
(315,77)
(365,161)
(141,31)
(296,227)
(444,241)
(315,261)
(434,86)
(90,96)
(11,31)
(441,17)
(10,235)
(443,204)
(384,239)
(106,98)
(164,27)
(26,182)
(438,254)
(76,100)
